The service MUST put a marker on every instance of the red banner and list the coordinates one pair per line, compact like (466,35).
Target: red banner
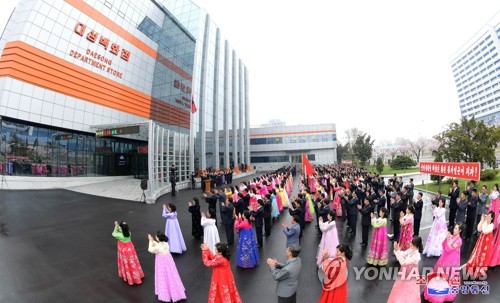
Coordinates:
(306,165)
(346,162)
(468,171)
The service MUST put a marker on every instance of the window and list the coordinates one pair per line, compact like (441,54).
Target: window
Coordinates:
(269,159)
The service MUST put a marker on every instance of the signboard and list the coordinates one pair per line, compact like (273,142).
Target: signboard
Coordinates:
(118,131)
(63,137)
(347,162)
(142,149)
(468,171)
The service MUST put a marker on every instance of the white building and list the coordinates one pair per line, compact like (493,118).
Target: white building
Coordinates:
(476,70)
(273,147)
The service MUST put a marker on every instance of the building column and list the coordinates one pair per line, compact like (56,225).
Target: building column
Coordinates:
(203,97)
(247,119)
(216,100)
(242,112)
(235,112)
(226,105)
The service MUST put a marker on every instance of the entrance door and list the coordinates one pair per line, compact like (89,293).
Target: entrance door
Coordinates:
(296,158)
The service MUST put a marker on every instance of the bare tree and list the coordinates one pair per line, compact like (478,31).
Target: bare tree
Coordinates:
(351,136)
(417,147)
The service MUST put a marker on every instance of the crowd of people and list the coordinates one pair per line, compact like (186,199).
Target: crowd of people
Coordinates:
(332,193)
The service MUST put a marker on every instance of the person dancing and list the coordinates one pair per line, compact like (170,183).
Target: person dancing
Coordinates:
(129,267)
(335,283)
(378,253)
(479,259)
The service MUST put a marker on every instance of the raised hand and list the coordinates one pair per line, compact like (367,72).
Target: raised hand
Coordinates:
(164,206)
(372,215)
(150,238)
(204,246)
(116,223)
(190,204)
(203,214)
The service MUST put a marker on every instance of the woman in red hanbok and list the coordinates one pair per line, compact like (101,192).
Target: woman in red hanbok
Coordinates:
(222,288)
(480,257)
(335,283)
(129,268)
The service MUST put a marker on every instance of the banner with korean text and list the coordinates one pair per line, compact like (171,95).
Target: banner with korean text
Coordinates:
(468,171)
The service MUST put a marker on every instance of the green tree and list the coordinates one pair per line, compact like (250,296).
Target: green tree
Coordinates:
(342,152)
(380,165)
(363,148)
(469,141)
(402,162)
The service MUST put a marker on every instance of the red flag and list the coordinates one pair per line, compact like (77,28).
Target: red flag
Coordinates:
(193,106)
(306,165)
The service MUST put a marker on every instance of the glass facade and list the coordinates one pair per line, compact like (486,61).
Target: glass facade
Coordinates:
(119,63)
(27,150)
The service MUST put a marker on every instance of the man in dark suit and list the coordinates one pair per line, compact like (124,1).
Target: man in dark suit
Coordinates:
(352,213)
(381,200)
(404,197)
(323,210)
(268,208)
(419,205)
(454,193)
(397,208)
(226,213)
(372,198)
(366,211)
(471,213)
(212,201)
(258,215)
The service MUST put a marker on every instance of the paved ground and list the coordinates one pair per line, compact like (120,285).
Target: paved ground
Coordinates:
(56,246)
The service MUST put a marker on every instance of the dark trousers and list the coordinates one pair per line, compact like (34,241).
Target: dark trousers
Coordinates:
(258,230)
(352,219)
(291,299)
(229,233)
(469,225)
(453,215)
(173,189)
(364,233)
(416,226)
(267,226)
(396,229)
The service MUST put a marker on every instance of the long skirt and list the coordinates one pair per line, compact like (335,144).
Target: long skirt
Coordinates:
(336,295)
(405,236)
(480,257)
(168,283)
(495,249)
(247,254)
(378,253)
(405,289)
(129,267)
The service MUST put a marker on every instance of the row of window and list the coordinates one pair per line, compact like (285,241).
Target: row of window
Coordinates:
(470,52)
(271,159)
(294,139)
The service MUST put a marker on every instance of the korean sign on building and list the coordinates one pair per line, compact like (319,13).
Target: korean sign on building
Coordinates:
(468,171)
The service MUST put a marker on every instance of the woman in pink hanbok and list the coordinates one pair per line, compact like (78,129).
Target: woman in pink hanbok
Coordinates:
(448,263)
(406,289)
(330,238)
(495,247)
(439,229)
(494,204)
(338,192)
(406,234)
(168,283)
(253,199)
(378,253)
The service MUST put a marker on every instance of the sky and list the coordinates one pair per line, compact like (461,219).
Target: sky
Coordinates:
(380,66)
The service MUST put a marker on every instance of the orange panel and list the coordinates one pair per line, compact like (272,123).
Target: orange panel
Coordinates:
(120,31)
(29,64)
